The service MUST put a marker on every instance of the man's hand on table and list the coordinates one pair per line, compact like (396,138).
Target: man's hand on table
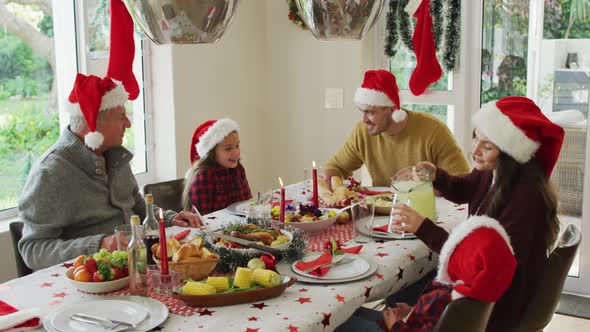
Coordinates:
(187,219)
(109,243)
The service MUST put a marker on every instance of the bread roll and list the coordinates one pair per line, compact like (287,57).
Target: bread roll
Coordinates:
(186,250)
(198,241)
(156,250)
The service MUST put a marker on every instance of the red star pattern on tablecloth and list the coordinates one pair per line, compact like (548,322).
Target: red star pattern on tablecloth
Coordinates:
(67,265)
(260,305)
(460,209)
(46,284)
(54,302)
(421,270)
(326,320)
(381,254)
(367,291)
(253,319)
(251,330)
(340,298)
(400,274)
(303,300)
(212,217)
(205,312)
(293,328)
(4,287)
(55,275)
(412,257)
(62,294)
(379,276)
(303,290)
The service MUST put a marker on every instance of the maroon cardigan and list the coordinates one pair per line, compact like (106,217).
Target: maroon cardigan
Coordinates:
(522,218)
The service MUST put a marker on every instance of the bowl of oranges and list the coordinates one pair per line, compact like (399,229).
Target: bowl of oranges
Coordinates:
(101,272)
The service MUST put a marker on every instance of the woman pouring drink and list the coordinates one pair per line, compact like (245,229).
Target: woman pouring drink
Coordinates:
(515,148)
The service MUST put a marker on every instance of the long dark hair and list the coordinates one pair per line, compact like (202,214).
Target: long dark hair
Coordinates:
(508,172)
(198,165)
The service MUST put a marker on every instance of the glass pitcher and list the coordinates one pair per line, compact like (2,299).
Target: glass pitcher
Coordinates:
(413,186)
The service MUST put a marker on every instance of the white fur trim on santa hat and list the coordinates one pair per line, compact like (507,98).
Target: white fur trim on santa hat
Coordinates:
(412,6)
(371,97)
(458,234)
(93,140)
(7,322)
(215,135)
(399,115)
(115,97)
(502,132)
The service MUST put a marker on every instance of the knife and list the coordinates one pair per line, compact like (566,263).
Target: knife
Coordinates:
(250,244)
(102,320)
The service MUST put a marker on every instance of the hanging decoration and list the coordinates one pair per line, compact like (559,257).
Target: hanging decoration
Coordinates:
(294,15)
(338,19)
(183,22)
(399,25)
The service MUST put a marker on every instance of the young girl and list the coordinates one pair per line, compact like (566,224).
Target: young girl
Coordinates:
(515,148)
(216,178)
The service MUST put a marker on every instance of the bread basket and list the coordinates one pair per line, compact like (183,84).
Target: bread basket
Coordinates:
(196,270)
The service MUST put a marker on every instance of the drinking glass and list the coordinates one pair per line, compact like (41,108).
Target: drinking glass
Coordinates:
(123,236)
(394,220)
(363,213)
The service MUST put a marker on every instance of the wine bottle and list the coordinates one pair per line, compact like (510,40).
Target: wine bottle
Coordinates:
(150,230)
(136,255)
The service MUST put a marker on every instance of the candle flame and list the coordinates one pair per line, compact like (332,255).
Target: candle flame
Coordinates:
(161,214)
(313,163)
(281,181)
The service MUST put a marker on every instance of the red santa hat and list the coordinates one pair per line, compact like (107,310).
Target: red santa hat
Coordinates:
(477,260)
(93,95)
(379,88)
(519,128)
(209,134)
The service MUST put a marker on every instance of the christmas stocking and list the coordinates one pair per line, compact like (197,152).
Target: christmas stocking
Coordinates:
(427,69)
(122,49)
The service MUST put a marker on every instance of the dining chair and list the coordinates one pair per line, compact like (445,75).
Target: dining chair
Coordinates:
(16,232)
(167,194)
(465,315)
(545,298)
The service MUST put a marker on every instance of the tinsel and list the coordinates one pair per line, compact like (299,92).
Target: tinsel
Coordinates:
(391,38)
(231,259)
(452,35)
(406,26)
(436,10)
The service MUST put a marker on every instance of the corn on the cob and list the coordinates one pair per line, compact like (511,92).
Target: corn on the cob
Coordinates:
(197,288)
(266,278)
(243,277)
(220,283)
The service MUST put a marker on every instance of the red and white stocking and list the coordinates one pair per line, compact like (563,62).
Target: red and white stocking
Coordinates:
(428,69)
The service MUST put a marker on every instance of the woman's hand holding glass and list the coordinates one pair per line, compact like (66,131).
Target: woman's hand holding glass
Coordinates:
(406,219)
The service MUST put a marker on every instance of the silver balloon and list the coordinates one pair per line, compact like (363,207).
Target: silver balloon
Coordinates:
(182,21)
(340,19)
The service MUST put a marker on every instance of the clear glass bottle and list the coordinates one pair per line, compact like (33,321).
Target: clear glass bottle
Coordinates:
(136,254)
(151,232)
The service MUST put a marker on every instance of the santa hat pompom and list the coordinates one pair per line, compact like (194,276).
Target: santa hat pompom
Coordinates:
(399,115)
(93,140)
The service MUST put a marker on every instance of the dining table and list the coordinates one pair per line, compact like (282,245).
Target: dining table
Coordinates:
(301,307)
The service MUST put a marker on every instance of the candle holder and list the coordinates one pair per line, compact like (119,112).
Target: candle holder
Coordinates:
(165,284)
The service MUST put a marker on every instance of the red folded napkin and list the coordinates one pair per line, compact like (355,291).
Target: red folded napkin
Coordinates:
(182,235)
(383,228)
(373,192)
(12,318)
(324,259)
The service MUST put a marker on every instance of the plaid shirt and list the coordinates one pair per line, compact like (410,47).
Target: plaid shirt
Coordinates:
(428,310)
(217,187)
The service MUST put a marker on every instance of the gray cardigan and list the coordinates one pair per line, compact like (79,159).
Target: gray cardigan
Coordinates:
(73,198)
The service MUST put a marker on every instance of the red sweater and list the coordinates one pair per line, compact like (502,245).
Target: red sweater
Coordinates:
(522,218)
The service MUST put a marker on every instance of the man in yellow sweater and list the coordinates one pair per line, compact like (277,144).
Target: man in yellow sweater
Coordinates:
(391,138)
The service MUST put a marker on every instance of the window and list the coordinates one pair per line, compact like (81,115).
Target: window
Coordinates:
(38,62)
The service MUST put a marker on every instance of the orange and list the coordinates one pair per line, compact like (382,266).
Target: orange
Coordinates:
(79,260)
(82,274)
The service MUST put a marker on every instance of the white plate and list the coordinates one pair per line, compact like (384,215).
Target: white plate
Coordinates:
(358,266)
(132,309)
(380,221)
(239,208)
(285,268)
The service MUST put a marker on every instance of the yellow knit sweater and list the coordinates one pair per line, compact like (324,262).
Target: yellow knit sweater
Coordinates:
(425,138)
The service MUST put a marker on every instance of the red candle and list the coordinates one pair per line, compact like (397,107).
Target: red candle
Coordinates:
(282,211)
(163,249)
(315,198)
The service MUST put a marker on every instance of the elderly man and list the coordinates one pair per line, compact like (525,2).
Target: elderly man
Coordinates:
(83,186)
(390,138)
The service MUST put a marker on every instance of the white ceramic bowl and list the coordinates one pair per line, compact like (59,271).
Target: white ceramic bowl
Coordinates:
(283,246)
(315,226)
(97,287)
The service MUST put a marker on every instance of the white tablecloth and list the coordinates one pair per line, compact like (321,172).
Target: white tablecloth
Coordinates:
(302,307)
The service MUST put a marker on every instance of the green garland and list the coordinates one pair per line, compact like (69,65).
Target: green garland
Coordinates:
(231,259)
(453,35)
(294,14)
(399,23)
